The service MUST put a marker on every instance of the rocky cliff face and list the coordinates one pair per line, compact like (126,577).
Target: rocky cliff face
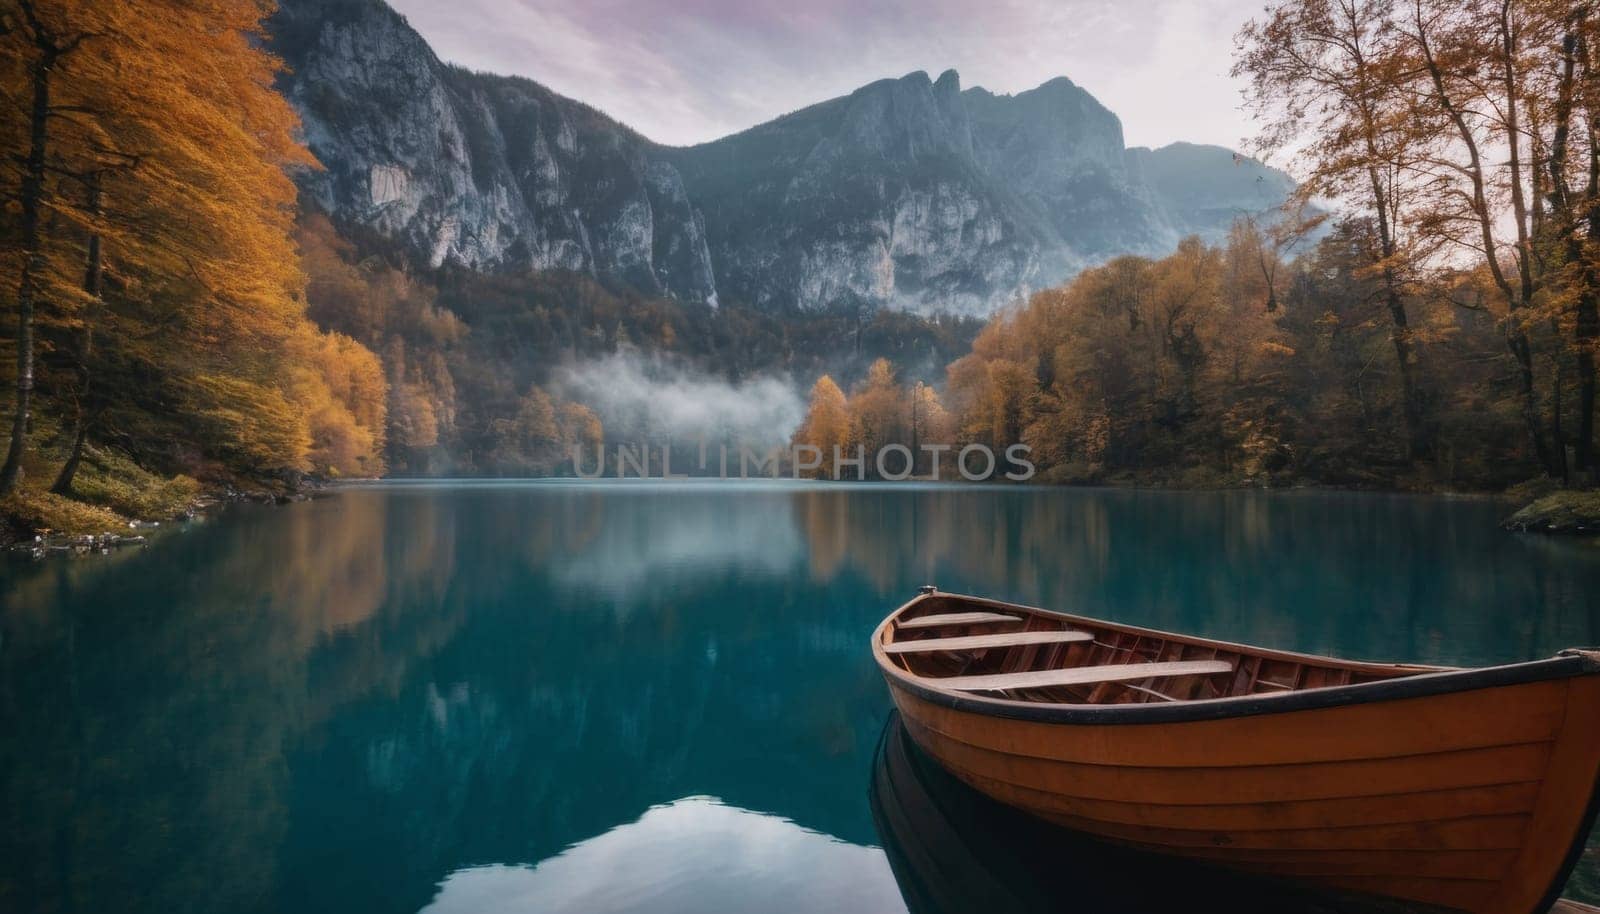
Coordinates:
(908,193)
(875,199)
(479,171)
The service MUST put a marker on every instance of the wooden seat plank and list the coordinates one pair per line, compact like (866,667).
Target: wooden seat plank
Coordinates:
(942,619)
(1082,675)
(983,642)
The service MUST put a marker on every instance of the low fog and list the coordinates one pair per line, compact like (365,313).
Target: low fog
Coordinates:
(644,398)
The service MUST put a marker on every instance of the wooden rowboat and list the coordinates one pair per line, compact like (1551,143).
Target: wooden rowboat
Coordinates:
(1453,789)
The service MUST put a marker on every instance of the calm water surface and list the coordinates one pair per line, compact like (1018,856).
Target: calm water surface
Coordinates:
(643,696)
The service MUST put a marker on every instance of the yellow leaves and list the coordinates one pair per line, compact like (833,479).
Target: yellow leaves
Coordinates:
(412,419)
(930,420)
(827,425)
(877,409)
(578,424)
(880,376)
(540,437)
(341,392)
(880,412)
(249,421)
(1275,348)
(1134,343)
(170,103)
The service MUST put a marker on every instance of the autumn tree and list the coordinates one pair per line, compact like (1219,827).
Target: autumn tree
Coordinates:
(827,425)
(36,46)
(539,438)
(1573,222)
(878,413)
(340,385)
(991,389)
(931,426)
(166,285)
(393,313)
(1321,79)
(1464,69)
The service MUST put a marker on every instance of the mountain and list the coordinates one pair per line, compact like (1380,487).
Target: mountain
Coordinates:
(478,171)
(873,199)
(1204,188)
(908,193)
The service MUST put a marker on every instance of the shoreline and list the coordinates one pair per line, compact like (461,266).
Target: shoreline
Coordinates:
(1573,513)
(37,544)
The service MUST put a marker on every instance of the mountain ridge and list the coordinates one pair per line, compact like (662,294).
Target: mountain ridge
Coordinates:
(909,193)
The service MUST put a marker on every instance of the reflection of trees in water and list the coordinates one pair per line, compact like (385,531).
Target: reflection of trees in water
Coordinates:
(150,701)
(569,524)
(995,536)
(825,519)
(1361,575)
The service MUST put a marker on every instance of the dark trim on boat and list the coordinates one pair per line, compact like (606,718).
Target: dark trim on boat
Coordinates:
(1422,685)
(1574,853)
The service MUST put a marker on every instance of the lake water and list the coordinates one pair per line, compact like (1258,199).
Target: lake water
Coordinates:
(652,697)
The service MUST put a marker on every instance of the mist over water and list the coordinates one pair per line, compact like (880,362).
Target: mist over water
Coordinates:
(644,397)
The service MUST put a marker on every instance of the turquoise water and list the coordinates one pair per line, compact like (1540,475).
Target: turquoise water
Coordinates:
(606,697)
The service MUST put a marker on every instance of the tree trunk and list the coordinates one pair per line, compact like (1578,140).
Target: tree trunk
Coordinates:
(1419,443)
(1586,326)
(1586,392)
(92,281)
(33,261)
(1586,337)
(63,483)
(1551,461)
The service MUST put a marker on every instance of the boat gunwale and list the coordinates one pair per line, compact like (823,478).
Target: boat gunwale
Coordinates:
(1427,682)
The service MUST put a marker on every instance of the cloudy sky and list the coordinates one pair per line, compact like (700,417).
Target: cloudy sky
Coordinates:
(686,71)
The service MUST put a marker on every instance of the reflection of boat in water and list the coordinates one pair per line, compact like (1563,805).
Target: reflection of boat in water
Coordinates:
(1465,790)
(954,851)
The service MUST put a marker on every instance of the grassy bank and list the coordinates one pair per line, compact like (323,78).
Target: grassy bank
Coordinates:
(110,492)
(1569,511)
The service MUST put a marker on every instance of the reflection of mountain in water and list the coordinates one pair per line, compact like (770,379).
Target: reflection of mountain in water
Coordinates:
(685,857)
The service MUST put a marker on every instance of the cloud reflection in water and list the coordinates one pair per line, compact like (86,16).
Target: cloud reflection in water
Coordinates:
(692,855)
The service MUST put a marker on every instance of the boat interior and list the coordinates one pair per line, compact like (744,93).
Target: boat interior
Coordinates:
(986,648)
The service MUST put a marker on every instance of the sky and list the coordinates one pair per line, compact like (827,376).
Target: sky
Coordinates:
(687,71)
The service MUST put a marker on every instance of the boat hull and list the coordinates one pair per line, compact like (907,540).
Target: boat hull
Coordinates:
(955,851)
(1473,800)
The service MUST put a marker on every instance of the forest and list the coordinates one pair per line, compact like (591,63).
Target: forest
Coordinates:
(1424,317)
(180,325)
(159,342)
(1219,366)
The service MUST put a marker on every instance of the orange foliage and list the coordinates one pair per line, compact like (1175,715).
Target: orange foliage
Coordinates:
(199,341)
